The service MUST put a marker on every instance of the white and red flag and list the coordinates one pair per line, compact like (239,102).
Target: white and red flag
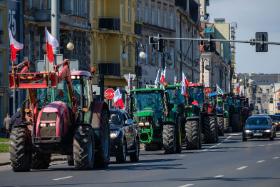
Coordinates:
(15,46)
(51,45)
(162,76)
(183,84)
(157,78)
(118,102)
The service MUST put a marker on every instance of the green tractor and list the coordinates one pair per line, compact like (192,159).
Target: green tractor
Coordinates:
(209,120)
(193,116)
(235,118)
(156,119)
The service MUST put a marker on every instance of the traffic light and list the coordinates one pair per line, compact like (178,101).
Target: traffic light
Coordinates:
(261,37)
(153,42)
(157,44)
(209,46)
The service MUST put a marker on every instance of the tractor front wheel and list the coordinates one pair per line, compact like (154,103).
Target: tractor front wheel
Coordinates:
(193,140)
(169,139)
(210,130)
(40,160)
(220,121)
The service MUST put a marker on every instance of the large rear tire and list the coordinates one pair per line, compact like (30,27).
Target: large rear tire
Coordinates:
(20,149)
(83,148)
(169,139)
(102,157)
(226,124)
(40,160)
(193,140)
(220,121)
(210,130)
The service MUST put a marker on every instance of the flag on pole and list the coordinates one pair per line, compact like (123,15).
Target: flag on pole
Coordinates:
(157,78)
(219,90)
(118,102)
(183,84)
(162,76)
(15,46)
(51,45)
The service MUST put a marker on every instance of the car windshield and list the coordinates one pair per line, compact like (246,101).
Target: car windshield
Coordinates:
(257,121)
(148,100)
(115,119)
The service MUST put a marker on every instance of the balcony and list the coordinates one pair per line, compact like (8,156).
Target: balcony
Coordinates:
(109,68)
(109,24)
(138,28)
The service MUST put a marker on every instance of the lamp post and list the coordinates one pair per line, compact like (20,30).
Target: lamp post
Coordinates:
(139,54)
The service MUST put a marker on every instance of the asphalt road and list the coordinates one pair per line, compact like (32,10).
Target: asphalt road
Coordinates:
(231,162)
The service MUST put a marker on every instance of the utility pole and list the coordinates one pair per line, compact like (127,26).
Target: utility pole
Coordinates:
(55,21)
(181,49)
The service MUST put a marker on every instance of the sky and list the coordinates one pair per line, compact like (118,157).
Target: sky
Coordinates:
(252,16)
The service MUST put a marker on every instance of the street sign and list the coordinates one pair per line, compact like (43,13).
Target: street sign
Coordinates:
(109,93)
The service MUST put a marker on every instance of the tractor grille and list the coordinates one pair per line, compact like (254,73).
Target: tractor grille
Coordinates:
(47,116)
(48,131)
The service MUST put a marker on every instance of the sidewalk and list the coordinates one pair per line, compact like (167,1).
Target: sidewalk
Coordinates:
(5,158)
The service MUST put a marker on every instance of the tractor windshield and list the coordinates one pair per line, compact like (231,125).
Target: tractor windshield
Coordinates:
(148,100)
(175,96)
(196,94)
(62,93)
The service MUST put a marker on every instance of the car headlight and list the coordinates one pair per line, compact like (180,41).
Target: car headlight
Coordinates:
(114,134)
(247,131)
(267,130)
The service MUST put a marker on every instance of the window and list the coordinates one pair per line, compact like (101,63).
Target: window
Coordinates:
(129,9)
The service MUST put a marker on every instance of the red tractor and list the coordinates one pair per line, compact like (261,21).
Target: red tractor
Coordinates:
(60,115)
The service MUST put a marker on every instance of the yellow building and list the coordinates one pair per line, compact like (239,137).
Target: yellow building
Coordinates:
(113,39)
(4,60)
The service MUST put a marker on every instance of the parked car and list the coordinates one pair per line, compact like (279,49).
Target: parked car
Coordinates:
(259,126)
(124,136)
(276,121)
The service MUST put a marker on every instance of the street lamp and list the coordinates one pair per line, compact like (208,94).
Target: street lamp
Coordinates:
(139,54)
(70,46)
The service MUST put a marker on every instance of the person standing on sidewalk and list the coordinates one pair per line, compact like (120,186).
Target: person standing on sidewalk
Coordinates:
(7,125)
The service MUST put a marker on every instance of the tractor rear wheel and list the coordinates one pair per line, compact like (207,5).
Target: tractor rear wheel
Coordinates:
(226,124)
(20,149)
(210,130)
(236,123)
(40,160)
(193,140)
(102,157)
(220,121)
(169,139)
(83,148)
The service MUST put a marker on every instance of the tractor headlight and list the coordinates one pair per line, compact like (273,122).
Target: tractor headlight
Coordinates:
(52,124)
(114,134)
(141,124)
(43,125)
(267,130)
(147,123)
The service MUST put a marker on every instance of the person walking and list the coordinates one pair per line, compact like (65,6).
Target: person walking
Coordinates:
(7,125)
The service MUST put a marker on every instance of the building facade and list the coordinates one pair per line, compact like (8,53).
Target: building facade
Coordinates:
(113,39)
(74,27)
(4,60)
(169,18)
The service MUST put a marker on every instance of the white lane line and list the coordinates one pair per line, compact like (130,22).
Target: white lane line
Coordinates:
(137,164)
(260,145)
(260,161)
(186,185)
(276,157)
(241,168)
(62,178)
(216,145)
(234,134)
(219,176)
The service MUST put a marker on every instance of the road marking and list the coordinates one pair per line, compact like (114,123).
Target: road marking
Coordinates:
(260,145)
(242,167)
(260,161)
(182,155)
(62,178)
(218,176)
(137,164)
(186,185)
(216,145)
(276,157)
(234,134)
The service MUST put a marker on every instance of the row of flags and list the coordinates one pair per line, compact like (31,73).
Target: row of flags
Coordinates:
(51,45)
